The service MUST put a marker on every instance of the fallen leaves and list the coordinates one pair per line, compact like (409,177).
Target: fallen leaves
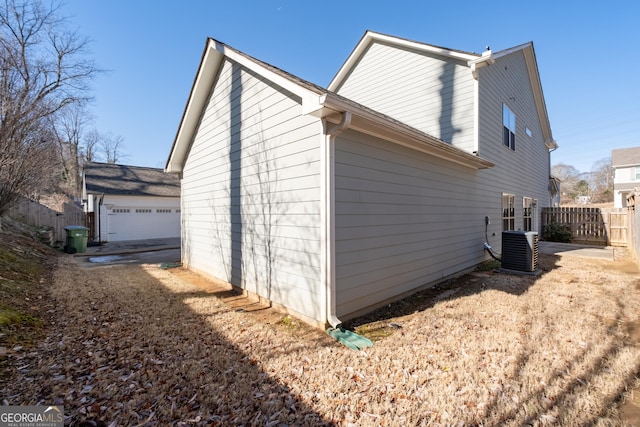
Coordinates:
(141,346)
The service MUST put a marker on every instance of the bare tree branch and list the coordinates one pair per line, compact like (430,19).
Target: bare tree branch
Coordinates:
(43,70)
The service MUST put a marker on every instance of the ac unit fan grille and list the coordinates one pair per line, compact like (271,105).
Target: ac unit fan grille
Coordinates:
(520,250)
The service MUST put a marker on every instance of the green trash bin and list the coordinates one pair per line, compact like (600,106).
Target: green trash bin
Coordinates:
(76,239)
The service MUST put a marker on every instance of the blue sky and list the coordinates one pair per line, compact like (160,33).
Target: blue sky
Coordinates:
(588,57)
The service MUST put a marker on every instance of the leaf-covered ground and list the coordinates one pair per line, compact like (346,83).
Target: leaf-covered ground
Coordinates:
(138,345)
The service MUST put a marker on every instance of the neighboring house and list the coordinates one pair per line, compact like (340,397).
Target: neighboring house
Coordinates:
(625,163)
(130,202)
(333,202)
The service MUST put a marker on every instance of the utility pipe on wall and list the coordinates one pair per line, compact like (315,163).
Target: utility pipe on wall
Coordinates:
(329,224)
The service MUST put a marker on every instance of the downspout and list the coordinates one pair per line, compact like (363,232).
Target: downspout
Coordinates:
(99,216)
(555,147)
(484,60)
(329,224)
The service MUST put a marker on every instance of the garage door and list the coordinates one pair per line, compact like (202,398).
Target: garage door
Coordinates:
(131,223)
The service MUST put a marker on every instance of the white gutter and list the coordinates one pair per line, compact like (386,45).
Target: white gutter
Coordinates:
(329,271)
(485,59)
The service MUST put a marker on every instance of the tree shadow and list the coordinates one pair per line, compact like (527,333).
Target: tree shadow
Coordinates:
(145,349)
(542,404)
(465,285)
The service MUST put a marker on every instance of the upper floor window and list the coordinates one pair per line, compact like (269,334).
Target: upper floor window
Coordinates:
(508,127)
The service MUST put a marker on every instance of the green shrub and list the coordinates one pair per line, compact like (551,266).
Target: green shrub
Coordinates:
(555,232)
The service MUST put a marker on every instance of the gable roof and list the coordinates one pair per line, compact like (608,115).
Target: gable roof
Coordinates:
(107,178)
(371,37)
(625,157)
(534,77)
(316,101)
(474,61)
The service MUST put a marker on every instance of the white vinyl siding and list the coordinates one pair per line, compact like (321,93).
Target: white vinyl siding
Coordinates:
(525,171)
(250,192)
(431,93)
(403,220)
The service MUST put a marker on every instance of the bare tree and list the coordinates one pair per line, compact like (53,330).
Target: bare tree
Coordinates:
(102,147)
(90,145)
(43,69)
(569,177)
(69,125)
(111,148)
(602,181)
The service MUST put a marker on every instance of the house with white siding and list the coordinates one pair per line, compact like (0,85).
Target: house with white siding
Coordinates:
(330,202)
(625,163)
(125,202)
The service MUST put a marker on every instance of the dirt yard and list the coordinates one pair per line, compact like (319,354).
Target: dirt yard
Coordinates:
(131,345)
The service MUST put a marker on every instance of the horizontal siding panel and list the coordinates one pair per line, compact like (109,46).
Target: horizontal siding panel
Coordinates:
(525,171)
(429,92)
(293,241)
(400,231)
(403,219)
(379,288)
(251,192)
(280,232)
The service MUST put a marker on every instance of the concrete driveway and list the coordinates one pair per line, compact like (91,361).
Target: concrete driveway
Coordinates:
(584,251)
(150,251)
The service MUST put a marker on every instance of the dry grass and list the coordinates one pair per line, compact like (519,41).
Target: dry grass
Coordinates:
(144,346)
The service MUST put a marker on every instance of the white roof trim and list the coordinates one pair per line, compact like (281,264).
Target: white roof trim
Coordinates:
(212,59)
(536,86)
(486,59)
(317,103)
(371,37)
(369,122)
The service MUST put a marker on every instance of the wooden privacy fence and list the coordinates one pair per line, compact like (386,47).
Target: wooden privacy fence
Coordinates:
(37,215)
(590,225)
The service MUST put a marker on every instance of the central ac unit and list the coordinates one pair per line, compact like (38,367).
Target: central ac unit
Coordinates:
(520,251)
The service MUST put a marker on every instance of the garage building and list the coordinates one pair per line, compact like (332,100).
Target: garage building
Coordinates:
(130,202)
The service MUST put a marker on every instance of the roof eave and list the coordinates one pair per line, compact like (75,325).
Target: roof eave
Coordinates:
(371,123)
(210,64)
(206,74)
(529,53)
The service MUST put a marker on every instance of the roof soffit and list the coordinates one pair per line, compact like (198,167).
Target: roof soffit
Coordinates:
(375,124)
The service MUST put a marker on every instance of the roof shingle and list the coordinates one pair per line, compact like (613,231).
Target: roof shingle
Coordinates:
(107,178)
(623,157)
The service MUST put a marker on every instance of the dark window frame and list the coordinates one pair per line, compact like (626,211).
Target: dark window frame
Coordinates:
(508,127)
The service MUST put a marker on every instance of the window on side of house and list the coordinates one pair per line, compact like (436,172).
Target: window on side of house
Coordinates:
(508,212)
(508,127)
(636,175)
(527,213)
